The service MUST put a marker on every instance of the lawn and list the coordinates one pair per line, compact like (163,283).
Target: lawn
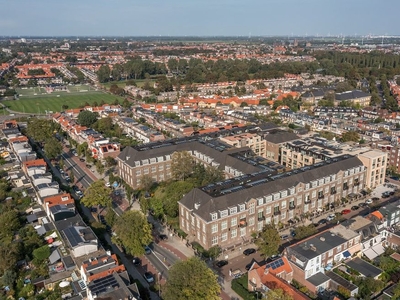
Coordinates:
(53,102)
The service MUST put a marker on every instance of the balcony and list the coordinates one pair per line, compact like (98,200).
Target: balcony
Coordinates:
(242,223)
(333,192)
(321,196)
(261,218)
(291,207)
(277,212)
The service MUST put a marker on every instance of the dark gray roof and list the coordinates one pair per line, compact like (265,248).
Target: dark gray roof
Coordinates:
(281,137)
(130,154)
(318,279)
(78,235)
(314,93)
(316,245)
(341,281)
(364,267)
(32,218)
(349,95)
(210,202)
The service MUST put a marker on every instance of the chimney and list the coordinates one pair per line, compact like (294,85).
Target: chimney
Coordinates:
(197,205)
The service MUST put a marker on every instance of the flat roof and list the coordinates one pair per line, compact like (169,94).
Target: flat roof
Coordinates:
(365,268)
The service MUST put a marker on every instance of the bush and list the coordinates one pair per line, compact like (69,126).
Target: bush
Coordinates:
(239,285)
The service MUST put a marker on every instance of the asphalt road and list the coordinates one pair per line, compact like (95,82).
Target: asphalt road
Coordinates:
(81,176)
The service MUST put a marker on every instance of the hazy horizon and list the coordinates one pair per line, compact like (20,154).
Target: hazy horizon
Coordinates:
(217,18)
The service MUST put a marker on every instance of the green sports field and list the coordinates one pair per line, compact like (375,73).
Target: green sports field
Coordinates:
(40,103)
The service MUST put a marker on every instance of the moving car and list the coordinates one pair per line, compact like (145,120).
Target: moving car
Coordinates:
(149,277)
(249,251)
(221,263)
(345,211)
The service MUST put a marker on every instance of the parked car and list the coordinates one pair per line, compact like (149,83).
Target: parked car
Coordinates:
(136,261)
(82,159)
(149,277)
(368,201)
(221,263)
(249,251)
(284,237)
(163,237)
(345,211)
(362,204)
(355,207)
(108,184)
(147,250)
(375,199)
(248,266)
(391,193)
(331,217)
(322,221)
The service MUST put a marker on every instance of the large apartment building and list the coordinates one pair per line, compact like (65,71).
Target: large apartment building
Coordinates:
(300,153)
(155,159)
(376,162)
(227,213)
(251,140)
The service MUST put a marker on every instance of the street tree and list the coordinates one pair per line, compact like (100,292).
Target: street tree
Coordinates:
(133,232)
(87,118)
(182,165)
(41,129)
(9,278)
(82,148)
(72,176)
(61,163)
(305,231)
(97,194)
(191,279)
(110,161)
(99,167)
(52,148)
(268,240)
(146,182)
(277,294)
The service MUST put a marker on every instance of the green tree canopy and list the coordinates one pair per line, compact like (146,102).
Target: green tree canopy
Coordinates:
(52,148)
(133,232)
(41,129)
(9,223)
(305,231)
(97,194)
(42,253)
(191,279)
(182,165)
(87,118)
(277,294)
(350,136)
(146,182)
(268,240)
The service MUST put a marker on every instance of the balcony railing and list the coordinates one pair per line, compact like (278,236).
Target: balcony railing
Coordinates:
(277,212)
(261,218)
(307,201)
(291,207)
(321,196)
(333,192)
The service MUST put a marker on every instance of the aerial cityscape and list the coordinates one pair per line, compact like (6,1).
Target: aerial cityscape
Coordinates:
(213,150)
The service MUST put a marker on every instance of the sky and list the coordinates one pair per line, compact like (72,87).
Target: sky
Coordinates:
(198,18)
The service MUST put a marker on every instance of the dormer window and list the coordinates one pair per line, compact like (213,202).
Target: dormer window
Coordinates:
(233,210)
(214,216)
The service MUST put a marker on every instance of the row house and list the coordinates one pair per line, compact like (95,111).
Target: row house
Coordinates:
(275,275)
(313,258)
(59,206)
(227,213)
